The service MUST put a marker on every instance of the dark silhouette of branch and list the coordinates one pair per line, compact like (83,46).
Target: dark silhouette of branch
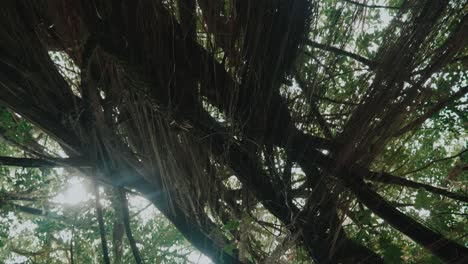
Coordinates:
(315,110)
(287,176)
(117,230)
(102,229)
(446,249)
(331,100)
(435,161)
(126,220)
(391,179)
(65,132)
(371,64)
(27,209)
(280,129)
(439,106)
(445,53)
(141,210)
(31,253)
(32,146)
(460,58)
(352,178)
(321,121)
(188,19)
(372,6)
(72,257)
(19,103)
(243,164)
(221,98)
(246,166)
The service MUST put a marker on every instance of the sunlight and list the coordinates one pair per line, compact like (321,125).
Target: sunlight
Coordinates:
(198,258)
(143,207)
(74,194)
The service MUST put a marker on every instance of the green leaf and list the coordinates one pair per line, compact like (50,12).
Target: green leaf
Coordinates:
(229,249)
(231,225)
(364,217)
(422,200)
(391,252)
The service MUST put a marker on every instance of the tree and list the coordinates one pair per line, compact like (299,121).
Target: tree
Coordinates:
(263,130)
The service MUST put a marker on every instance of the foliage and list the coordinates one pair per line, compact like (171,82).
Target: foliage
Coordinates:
(267,131)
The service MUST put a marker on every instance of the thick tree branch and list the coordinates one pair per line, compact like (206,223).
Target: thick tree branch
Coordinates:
(371,6)
(23,76)
(102,229)
(446,249)
(219,90)
(117,229)
(72,257)
(54,126)
(188,19)
(444,54)
(391,179)
(27,209)
(300,142)
(371,64)
(245,168)
(126,220)
(435,109)
(32,146)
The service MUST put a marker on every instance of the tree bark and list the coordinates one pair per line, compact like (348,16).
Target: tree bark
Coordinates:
(126,221)
(118,229)
(102,228)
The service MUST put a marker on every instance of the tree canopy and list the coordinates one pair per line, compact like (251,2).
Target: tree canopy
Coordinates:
(263,131)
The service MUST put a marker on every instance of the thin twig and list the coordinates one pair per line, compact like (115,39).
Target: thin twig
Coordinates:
(371,64)
(434,161)
(372,6)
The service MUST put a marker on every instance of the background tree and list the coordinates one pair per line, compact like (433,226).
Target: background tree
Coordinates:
(264,131)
